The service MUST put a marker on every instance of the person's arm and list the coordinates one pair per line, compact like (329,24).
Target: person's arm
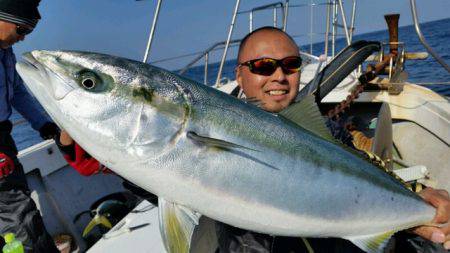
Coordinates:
(441,200)
(22,101)
(77,157)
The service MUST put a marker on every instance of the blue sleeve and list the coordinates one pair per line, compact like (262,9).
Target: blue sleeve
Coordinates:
(27,105)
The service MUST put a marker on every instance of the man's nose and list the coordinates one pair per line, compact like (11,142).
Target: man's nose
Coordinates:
(279,75)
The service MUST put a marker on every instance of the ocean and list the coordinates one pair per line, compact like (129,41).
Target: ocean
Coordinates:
(437,34)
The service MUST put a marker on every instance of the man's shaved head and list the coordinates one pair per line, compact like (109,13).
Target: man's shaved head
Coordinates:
(261,29)
(277,90)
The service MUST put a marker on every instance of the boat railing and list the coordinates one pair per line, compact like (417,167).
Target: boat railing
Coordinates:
(274,6)
(152,30)
(422,39)
(284,6)
(334,8)
(337,6)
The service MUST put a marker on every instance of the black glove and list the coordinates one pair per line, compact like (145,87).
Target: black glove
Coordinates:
(48,130)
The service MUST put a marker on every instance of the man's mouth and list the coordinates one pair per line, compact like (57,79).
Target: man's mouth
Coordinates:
(277,92)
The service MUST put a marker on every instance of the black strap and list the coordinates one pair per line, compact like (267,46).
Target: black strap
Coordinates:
(339,68)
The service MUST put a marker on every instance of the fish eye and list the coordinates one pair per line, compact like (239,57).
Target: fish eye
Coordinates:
(89,80)
(88,83)
(94,82)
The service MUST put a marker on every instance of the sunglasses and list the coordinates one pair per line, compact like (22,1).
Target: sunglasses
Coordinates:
(22,31)
(267,66)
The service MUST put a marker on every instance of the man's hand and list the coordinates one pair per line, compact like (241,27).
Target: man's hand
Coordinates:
(441,200)
(6,165)
(49,130)
(65,139)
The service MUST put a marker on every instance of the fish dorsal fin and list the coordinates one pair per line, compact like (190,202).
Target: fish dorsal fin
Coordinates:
(177,224)
(372,243)
(215,142)
(306,114)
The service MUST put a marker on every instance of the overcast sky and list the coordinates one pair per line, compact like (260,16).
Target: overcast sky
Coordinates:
(121,27)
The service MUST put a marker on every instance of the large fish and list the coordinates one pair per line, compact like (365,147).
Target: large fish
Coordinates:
(204,152)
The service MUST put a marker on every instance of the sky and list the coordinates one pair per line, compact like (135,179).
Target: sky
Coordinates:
(121,27)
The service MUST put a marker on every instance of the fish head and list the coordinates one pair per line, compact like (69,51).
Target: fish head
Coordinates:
(111,106)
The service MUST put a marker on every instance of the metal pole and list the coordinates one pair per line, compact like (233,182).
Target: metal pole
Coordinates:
(285,16)
(275,16)
(311,28)
(205,78)
(327,32)
(352,25)
(250,18)
(333,37)
(422,39)
(344,22)
(222,62)
(152,31)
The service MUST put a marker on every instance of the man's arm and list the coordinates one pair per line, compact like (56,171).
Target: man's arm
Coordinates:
(77,157)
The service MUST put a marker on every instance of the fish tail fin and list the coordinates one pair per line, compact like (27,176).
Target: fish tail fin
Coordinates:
(372,243)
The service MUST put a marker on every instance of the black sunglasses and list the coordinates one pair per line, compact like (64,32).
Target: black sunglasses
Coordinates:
(22,31)
(267,66)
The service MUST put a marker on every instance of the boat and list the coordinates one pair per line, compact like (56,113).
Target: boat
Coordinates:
(419,118)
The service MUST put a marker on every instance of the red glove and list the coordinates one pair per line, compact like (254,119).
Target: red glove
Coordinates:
(6,165)
(84,163)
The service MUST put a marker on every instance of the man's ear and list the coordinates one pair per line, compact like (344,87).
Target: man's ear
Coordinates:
(238,76)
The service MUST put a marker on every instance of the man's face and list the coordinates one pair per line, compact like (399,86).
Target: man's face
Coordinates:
(277,91)
(8,34)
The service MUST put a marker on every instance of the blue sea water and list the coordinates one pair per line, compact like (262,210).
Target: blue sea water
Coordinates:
(437,34)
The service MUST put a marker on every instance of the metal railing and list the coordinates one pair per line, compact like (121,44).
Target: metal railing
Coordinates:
(335,10)
(335,3)
(205,54)
(152,31)
(422,39)
(274,6)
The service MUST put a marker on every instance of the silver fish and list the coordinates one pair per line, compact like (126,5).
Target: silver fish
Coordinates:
(204,152)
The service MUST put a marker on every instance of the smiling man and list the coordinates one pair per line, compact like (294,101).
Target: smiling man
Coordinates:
(268,71)
(258,73)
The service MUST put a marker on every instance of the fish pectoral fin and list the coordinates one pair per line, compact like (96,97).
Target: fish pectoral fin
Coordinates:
(306,114)
(177,224)
(97,220)
(372,243)
(253,101)
(215,142)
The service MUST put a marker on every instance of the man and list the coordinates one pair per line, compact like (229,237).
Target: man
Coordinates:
(18,212)
(268,72)
(276,89)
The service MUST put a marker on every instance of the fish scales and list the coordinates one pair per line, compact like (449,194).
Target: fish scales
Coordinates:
(278,178)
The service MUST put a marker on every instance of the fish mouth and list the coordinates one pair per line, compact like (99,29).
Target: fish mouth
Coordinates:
(36,72)
(29,65)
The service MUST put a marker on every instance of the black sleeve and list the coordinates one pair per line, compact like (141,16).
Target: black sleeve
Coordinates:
(337,129)
(68,150)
